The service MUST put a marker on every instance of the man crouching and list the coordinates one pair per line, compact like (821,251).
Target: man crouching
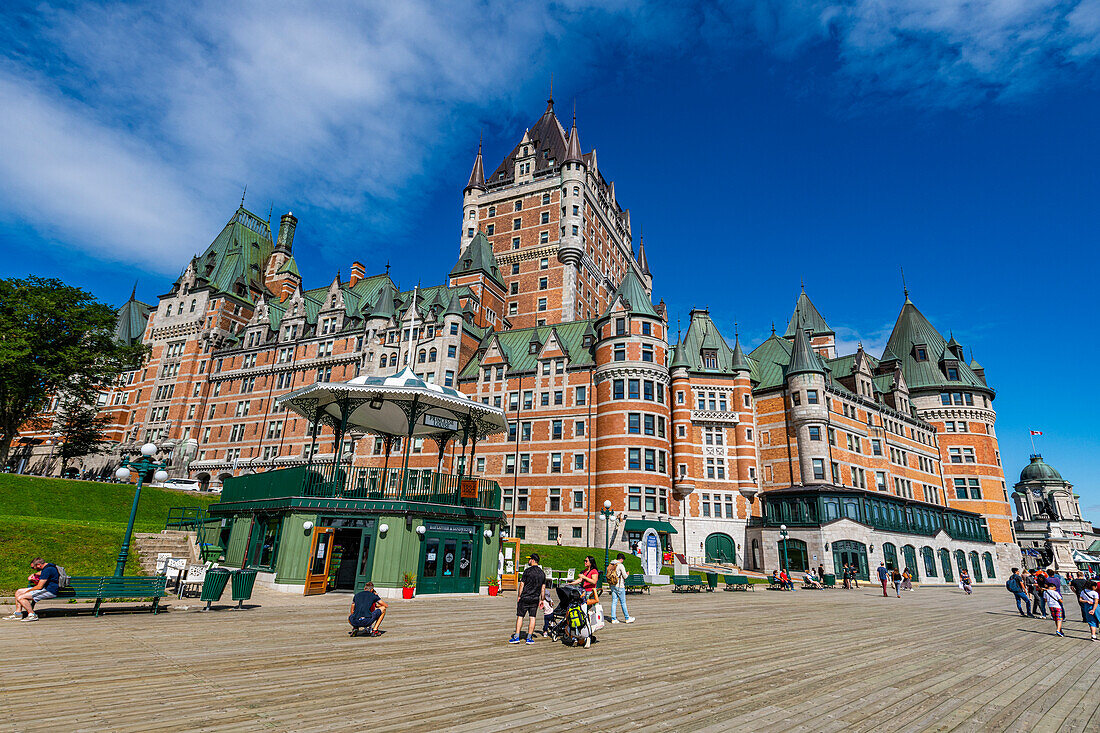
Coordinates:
(367,612)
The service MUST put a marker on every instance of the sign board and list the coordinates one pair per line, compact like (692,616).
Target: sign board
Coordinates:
(443,527)
(443,423)
(651,552)
(468,489)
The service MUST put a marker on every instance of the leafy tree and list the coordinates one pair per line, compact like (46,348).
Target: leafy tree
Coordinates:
(82,430)
(55,339)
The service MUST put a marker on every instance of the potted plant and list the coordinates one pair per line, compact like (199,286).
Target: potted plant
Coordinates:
(493,584)
(408,583)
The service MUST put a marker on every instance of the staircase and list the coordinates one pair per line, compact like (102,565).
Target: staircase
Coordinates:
(178,542)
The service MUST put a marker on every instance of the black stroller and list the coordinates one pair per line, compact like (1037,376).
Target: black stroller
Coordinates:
(570,624)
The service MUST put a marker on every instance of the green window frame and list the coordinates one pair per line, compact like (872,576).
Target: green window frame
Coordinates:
(990,570)
(929,556)
(890,555)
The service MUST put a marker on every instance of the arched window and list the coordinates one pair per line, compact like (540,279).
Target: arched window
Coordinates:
(179,311)
(193,303)
(990,571)
(422,356)
(975,566)
(909,561)
(432,355)
(960,560)
(545,199)
(890,555)
(576,190)
(794,551)
(382,361)
(929,562)
(405,360)
(945,565)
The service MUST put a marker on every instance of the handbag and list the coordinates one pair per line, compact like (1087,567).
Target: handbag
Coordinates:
(595,617)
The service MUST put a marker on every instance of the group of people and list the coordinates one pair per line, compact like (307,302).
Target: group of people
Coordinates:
(534,592)
(1041,593)
(42,584)
(900,579)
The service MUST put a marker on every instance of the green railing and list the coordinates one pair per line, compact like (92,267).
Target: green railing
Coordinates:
(195,519)
(326,481)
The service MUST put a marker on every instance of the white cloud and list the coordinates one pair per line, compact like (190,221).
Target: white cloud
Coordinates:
(874,340)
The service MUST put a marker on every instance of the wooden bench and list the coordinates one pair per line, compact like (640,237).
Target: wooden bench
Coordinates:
(635,583)
(686,583)
(102,588)
(738,582)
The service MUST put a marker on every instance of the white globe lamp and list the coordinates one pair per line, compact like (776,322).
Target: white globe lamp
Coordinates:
(421,530)
(123,474)
(149,449)
(160,476)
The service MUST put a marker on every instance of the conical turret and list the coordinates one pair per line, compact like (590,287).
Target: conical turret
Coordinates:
(803,357)
(477,175)
(738,362)
(573,150)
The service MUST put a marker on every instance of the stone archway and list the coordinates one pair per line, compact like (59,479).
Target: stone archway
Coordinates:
(204,481)
(720,547)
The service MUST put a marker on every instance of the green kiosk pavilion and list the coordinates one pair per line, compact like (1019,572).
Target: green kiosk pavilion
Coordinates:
(330,525)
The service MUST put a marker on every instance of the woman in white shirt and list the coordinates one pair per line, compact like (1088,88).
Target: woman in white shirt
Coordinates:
(1090,599)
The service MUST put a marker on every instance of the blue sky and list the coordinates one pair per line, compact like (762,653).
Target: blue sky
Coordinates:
(757,143)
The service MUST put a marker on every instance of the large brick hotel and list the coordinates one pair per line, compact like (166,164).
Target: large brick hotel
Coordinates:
(548,313)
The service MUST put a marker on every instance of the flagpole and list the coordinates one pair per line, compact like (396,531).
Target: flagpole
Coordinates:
(1031,434)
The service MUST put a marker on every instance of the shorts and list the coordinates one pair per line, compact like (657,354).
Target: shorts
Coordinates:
(527,608)
(363,622)
(1057,614)
(42,595)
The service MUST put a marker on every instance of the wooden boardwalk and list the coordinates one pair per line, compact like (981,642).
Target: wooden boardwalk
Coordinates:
(765,661)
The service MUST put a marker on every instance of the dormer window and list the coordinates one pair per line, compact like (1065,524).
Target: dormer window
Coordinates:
(953,373)
(333,303)
(533,347)
(710,359)
(525,150)
(920,353)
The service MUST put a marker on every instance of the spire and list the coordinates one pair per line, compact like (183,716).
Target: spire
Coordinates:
(803,358)
(679,359)
(642,262)
(738,362)
(243,193)
(550,99)
(477,175)
(454,307)
(133,293)
(573,151)
(807,315)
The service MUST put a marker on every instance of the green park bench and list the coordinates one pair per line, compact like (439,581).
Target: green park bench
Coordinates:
(635,583)
(738,582)
(774,584)
(102,588)
(687,583)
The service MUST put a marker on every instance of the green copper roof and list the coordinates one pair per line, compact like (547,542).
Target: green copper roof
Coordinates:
(803,357)
(133,316)
(634,296)
(383,305)
(275,313)
(1038,470)
(703,335)
(804,309)
(913,329)
(454,307)
(771,358)
(678,358)
(290,266)
(237,256)
(738,361)
(516,346)
(478,257)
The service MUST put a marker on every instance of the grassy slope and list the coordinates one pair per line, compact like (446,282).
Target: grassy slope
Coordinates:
(563,558)
(77,524)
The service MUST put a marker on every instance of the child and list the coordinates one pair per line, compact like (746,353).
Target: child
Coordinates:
(1090,599)
(964,581)
(1054,604)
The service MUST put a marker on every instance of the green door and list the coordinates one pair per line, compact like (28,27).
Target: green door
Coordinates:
(945,563)
(448,559)
(909,556)
(852,553)
(719,547)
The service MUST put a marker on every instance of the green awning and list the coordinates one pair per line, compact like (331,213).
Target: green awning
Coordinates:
(641,525)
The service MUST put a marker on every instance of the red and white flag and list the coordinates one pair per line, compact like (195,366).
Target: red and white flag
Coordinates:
(1036,432)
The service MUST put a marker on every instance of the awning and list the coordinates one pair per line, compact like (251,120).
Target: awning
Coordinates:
(1079,556)
(641,525)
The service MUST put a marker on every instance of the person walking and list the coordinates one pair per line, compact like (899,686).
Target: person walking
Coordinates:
(1015,586)
(616,583)
(1053,600)
(1090,600)
(1077,582)
(528,598)
(844,574)
(907,580)
(964,581)
(897,579)
(1031,583)
(821,573)
(883,576)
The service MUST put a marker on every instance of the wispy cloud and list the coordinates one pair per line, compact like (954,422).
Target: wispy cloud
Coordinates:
(874,340)
(125,129)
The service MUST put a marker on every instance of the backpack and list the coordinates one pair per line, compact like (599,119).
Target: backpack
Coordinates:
(577,617)
(62,577)
(613,574)
(1013,585)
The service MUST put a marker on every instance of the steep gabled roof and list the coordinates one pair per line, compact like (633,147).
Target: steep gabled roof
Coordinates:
(643,263)
(805,311)
(133,316)
(703,335)
(547,140)
(515,346)
(478,257)
(911,329)
(771,359)
(236,256)
(290,266)
(634,297)
(573,152)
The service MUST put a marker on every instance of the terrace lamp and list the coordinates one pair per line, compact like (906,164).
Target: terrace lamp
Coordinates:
(783,536)
(607,515)
(146,469)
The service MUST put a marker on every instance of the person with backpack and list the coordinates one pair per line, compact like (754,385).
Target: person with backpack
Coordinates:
(896,579)
(1015,586)
(48,585)
(616,582)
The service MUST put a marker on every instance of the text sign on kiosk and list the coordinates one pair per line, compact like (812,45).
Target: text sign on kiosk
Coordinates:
(443,423)
(468,488)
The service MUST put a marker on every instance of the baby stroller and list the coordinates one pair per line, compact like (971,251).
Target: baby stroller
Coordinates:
(570,624)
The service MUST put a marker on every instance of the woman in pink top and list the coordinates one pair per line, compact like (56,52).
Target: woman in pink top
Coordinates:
(589,577)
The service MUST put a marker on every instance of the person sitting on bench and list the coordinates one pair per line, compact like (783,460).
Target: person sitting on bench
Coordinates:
(811,580)
(367,612)
(46,587)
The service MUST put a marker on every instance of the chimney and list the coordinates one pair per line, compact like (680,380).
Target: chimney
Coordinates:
(358,272)
(286,232)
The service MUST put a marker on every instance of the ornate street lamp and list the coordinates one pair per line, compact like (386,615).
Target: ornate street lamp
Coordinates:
(146,468)
(607,515)
(783,536)
(749,492)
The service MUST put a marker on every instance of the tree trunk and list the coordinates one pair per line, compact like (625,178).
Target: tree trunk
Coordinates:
(5,446)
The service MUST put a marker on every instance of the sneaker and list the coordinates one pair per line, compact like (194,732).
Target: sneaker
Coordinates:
(614,620)
(530,640)
(516,639)
(1059,633)
(588,642)
(17,616)
(629,620)
(32,617)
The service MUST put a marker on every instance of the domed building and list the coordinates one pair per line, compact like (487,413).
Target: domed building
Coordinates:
(1049,526)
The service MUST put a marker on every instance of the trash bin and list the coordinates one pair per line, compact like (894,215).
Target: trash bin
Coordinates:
(213,586)
(243,582)
(712,581)
(830,580)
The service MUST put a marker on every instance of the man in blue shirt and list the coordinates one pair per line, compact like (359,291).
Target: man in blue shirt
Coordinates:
(367,612)
(46,587)
(883,576)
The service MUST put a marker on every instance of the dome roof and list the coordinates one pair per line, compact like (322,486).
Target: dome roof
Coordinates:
(1037,470)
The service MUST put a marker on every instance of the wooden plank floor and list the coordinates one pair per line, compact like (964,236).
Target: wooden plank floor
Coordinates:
(765,661)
